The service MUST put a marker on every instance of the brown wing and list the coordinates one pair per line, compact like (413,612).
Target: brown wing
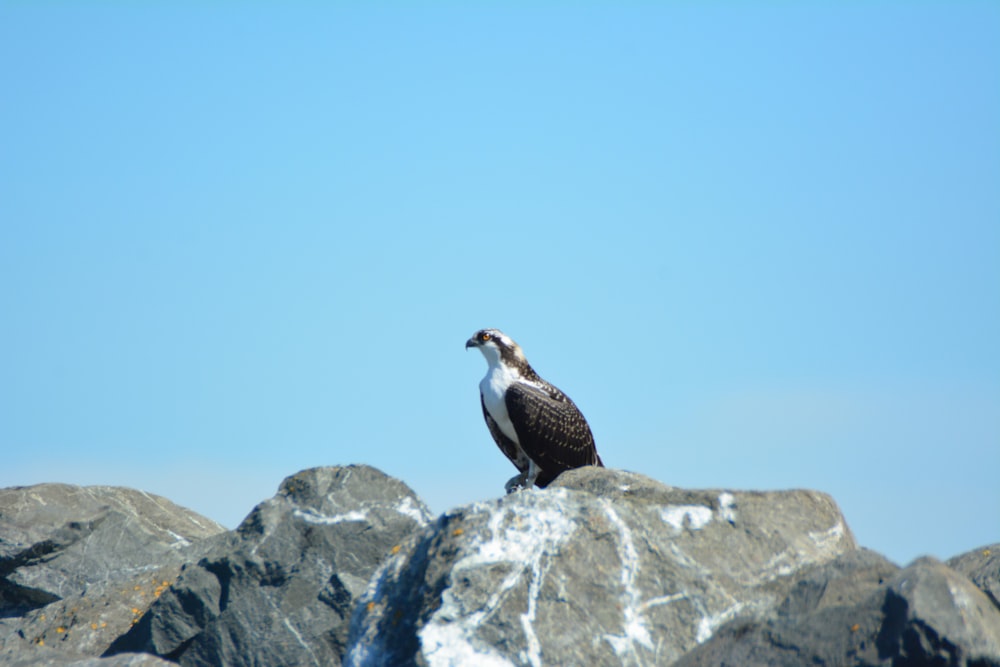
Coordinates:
(506,445)
(552,431)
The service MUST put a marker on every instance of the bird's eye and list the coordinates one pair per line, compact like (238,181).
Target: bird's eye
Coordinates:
(484,336)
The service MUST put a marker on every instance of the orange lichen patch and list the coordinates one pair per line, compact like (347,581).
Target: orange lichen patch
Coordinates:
(135,610)
(395,549)
(855,627)
(40,641)
(370,607)
(93,626)
(42,617)
(103,624)
(986,552)
(457,532)
(60,630)
(159,589)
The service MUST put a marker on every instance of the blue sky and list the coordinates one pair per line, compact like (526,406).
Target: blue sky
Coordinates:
(758,244)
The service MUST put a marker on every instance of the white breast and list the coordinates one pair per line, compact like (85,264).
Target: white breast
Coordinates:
(493,387)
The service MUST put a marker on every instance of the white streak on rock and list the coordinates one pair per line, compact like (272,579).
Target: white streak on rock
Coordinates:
(710,622)
(727,507)
(409,508)
(447,645)
(635,630)
(694,516)
(521,537)
(828,539)
(179,540)
(312,516)
(297,634)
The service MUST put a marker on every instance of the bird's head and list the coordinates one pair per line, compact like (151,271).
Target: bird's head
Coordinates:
(497,347)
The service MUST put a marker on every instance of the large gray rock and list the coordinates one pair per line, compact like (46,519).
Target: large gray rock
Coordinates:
(78,565)
(830,617)
(857,611)
(281,588)
(53,658)
(982,566)
(602,568)
(934,615)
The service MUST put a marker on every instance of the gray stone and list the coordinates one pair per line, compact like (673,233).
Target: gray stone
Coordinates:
(925,614)
(831,616)
(603,567)
(982,567)
(53,658)
(848,580)
(79,565)
(281,588)
(934,615)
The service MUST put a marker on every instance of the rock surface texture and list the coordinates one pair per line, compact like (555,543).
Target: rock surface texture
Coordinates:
(79,564)
(602,568)
(280,589)
(345,565)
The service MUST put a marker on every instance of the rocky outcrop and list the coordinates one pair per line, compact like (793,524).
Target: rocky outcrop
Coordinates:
(78,565)
(604,567)
(280,589)
(924,614)
(982,567)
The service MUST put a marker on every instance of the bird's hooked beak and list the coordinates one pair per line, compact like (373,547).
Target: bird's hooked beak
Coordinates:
(472,342)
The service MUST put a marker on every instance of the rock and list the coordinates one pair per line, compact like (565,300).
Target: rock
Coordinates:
(603,567)
(78,565)
(124,660)
(281,588)
(848,580)
(830,617)
(925,614)
(982,566)
(52,658)
(934,615)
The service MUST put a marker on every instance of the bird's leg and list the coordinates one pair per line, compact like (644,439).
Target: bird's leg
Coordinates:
(532,474)
(515,483)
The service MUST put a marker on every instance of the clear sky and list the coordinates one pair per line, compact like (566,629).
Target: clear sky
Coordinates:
(757,243)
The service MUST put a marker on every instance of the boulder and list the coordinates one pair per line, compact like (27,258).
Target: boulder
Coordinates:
(862,610)
(603,567)
(831,616)
(78,565)
(934,615)
(982,567)
(53,658)
(280,589)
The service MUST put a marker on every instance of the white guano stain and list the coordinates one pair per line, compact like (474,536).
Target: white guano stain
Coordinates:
(634,630)
(828,539)
(314,517)
(710,622)
(521,537)
(727,507)
(694,517)
(407,507)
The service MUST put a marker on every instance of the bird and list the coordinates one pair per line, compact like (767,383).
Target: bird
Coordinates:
(534,424)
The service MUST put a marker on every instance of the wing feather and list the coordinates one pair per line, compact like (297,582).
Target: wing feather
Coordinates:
(551,429)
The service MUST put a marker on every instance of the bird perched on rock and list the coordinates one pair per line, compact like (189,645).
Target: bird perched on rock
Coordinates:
(534,424)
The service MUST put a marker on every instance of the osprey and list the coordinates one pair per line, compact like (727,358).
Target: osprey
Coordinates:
(534,424)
